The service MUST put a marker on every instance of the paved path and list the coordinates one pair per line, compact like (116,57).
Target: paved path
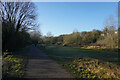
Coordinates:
(41,66)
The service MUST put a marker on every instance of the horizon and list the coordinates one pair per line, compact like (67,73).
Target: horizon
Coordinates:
(69,33)
(61,18)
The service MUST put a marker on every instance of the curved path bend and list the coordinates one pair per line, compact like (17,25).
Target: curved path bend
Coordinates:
(41,66)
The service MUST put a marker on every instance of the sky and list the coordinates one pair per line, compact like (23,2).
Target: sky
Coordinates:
(65,17)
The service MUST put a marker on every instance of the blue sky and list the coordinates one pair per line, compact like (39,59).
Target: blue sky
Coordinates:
(64,17)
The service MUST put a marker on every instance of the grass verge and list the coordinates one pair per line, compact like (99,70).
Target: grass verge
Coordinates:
(13,65)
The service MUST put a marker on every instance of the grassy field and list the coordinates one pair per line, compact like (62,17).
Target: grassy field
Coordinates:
(63,54)
(85,63)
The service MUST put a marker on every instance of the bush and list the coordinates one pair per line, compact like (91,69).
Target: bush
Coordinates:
(13,66)
(91,68)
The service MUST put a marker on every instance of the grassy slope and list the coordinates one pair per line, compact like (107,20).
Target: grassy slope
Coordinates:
(68,53)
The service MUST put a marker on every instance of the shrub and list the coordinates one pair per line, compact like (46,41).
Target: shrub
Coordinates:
(91,68)
(13,66)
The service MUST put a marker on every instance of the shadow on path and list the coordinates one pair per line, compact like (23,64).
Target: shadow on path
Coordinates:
(41,66)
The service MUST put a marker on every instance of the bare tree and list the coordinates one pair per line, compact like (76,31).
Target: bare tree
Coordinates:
(49,34)
(35,36)
(16,19)
(22,14)
(110,39)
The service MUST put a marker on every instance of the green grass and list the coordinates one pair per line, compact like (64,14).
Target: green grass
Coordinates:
(84,63)
(63,54)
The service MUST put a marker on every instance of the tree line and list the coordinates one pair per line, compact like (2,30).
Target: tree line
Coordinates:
(74,39)
(108,37)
